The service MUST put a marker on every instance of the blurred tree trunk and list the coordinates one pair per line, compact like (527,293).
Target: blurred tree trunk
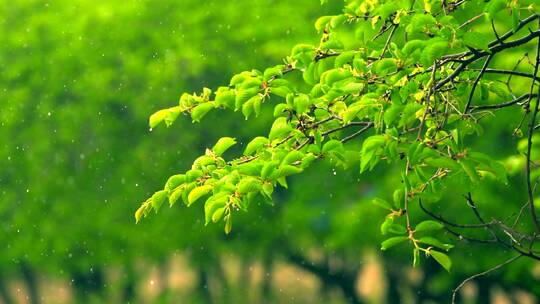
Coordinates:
(129,284)
(342,280)
(88,284)
(203,289)
(4,292)
(394,282)
(29,277)
(266,283)
(164,291)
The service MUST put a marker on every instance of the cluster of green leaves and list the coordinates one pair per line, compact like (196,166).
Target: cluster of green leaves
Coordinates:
(384,74)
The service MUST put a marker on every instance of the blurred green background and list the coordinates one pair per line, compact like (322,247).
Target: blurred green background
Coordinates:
(78,80)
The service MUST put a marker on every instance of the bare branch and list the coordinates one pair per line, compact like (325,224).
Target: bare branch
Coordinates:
(494,268)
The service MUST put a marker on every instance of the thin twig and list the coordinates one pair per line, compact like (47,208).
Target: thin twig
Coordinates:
(476,81)
(532,124)
(482,274)
(364,129)
(508,72)
(394,28)
(504,104)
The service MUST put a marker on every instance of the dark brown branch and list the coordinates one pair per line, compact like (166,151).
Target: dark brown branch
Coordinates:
(532,124)
(492,51)
(394,28)
(476,81)
(442,220)
(353,123)
(504,104)
(364,129)
(508,72)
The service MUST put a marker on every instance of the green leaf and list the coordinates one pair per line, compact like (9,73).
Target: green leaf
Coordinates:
(244,95)
(197,193)
(382,203)
(175,195)
(321,23)
(301,103)
(396,229)
(156,118)
(337,20)
(139,214)
(200,111)
(385,66)
(223,144)
(268,169)
(344,58)
(272,72)
(228,224)
(308,75)
(477,40)
(435,242)
(214,203)
(225,97)
(393,241)
(248,106)
(442,259)
(370,145)
(428,225)
(398,197)
(172,114)
(434,49)
(494,6)
(256,144)
(470,170)
(267,190)
(218,214)
(332,145)
(280,110)
(280,128)
(158,199)
(175,181)
(500,90)
(292,157)
(288,170)
(249,184)
(412,46)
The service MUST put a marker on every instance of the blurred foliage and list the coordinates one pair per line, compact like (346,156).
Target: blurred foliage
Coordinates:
(78,80)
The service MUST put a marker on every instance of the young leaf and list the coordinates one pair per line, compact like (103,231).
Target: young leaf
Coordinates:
(393,241)
(332,145)
(200,111)
(279,129)
(139,213)
(158,198)
(435,242)
(428,225)
(382,203)
(157,118)
(175,181)
(197,193)
(255,144)
(249,184)
(442,259)
(223,144)
(218,214)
